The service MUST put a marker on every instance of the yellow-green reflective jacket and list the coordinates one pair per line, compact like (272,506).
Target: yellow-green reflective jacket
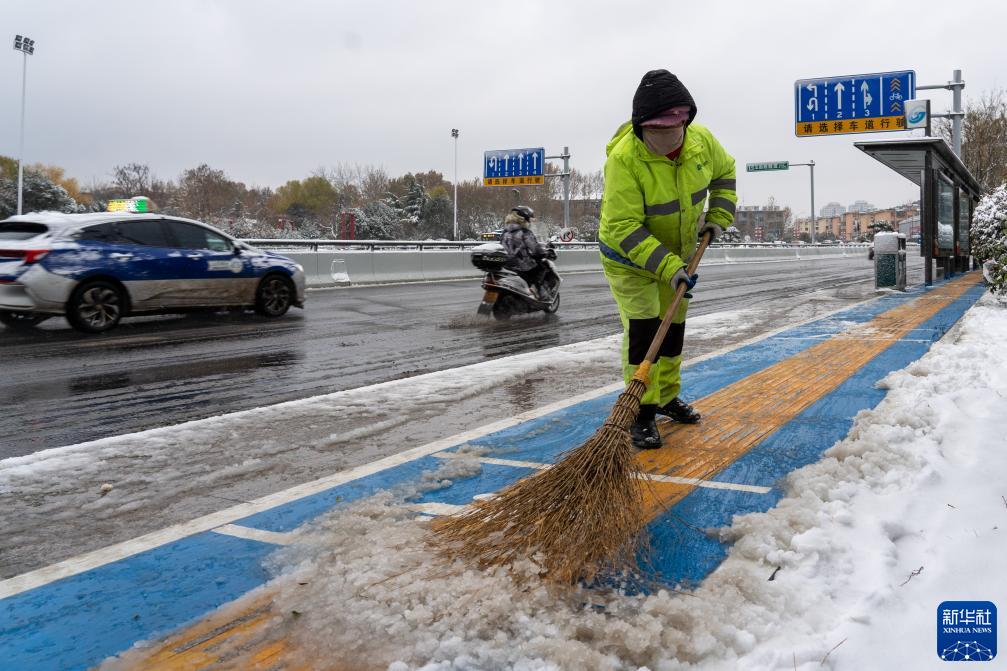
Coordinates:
(651,203)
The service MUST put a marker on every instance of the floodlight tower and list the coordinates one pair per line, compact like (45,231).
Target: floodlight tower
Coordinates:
(27,47)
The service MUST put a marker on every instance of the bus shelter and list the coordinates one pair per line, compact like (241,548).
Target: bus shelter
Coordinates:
(948,196)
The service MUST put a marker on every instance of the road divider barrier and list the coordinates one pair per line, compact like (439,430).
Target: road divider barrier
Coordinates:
(345,267)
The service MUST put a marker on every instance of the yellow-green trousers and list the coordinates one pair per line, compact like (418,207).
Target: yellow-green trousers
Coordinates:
(643,299)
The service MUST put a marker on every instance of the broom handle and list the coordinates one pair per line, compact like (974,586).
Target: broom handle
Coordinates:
(662,331)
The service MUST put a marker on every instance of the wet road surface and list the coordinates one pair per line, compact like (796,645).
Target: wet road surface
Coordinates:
(61,387)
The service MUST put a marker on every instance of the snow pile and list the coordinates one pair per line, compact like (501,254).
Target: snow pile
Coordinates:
(901,515)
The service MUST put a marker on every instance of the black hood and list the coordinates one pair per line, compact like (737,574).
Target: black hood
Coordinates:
(659,90)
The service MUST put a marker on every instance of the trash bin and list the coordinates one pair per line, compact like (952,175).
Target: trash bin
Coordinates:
(890,261)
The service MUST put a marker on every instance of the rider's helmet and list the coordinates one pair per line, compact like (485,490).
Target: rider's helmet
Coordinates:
(524,212)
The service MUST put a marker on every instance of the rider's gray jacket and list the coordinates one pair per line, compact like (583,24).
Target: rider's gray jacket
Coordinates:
(522,247)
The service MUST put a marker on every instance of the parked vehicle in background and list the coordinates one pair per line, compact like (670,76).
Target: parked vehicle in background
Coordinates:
(95,269)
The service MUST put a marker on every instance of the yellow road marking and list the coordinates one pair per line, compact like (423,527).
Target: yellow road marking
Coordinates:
(741,415)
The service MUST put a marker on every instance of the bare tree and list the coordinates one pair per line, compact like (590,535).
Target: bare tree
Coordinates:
(132,179)
(984,137)
(205,193)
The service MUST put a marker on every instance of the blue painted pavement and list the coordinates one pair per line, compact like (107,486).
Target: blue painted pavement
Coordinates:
(76,622)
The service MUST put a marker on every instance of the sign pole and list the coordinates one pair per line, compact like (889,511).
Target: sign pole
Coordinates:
(814,221)
(785,165)
(566,187)
(957,114)
(454,134)
(566,184)
(956,120)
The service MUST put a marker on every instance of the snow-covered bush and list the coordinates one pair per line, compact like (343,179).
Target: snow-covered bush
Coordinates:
(40,195)
(988,236)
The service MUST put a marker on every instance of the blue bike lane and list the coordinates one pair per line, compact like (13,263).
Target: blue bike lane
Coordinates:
(76,614)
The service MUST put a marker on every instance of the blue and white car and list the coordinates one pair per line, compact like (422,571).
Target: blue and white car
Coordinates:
(95,269)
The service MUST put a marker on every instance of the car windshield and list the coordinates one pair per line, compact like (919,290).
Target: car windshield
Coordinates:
(20,230)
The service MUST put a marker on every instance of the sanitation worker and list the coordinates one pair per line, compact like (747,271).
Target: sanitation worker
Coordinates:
(660,172)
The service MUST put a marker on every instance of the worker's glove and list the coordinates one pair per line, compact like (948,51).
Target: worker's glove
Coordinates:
(715,230)
(680,277)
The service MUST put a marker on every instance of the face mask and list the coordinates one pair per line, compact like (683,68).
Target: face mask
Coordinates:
(663,140)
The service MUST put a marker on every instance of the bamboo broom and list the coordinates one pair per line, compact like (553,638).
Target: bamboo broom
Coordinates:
(579,517)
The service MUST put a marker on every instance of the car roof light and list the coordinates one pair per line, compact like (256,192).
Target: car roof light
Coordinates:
(140,204)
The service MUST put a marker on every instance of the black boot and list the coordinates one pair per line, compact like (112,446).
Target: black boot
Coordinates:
(680,411)
(644,431)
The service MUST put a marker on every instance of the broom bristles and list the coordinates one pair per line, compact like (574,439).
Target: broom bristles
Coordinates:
(583,515)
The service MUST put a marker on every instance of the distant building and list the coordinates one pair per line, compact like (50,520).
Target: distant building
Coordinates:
(853,226)
(910,227)
(861,206)
(823,230)
(831,210)
(762,223)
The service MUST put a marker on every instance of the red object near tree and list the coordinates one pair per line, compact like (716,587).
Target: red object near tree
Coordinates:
(348,226)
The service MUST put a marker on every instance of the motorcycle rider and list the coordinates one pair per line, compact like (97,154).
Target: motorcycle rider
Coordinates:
(524,251)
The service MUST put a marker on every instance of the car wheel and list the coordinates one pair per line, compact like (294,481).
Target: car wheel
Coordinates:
(95,306)
(274,296)
(16,320)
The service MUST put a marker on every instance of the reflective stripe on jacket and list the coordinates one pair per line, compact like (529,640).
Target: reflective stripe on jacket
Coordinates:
(651,203)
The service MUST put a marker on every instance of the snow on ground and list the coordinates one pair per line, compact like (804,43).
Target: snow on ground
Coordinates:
(904,513)
(57,502)
(156,471)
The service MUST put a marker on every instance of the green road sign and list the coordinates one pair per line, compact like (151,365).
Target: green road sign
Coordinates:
(759,167)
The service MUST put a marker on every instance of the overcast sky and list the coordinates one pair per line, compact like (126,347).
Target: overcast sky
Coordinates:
(271,91)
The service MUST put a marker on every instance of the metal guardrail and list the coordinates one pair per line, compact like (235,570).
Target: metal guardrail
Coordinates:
(329,263)
(375,245)
(421,245)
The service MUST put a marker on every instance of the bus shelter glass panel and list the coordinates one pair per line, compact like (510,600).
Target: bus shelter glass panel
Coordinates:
(945,218)
(964,222)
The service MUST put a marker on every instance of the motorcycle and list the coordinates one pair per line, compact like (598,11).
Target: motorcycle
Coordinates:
(506,293)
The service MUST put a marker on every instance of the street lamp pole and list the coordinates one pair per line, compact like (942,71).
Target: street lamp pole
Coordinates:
(27,47)
(454,134)
(814,220)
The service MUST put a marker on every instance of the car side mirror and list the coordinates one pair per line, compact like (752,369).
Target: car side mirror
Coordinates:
(237,250)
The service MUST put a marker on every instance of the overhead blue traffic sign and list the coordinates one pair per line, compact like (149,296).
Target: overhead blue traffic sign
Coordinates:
(505,167)
(853,103)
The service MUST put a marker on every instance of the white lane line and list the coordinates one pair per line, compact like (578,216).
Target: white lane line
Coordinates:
(493,460)
(248,533)
(113,553)
(709,484)
(97,558)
